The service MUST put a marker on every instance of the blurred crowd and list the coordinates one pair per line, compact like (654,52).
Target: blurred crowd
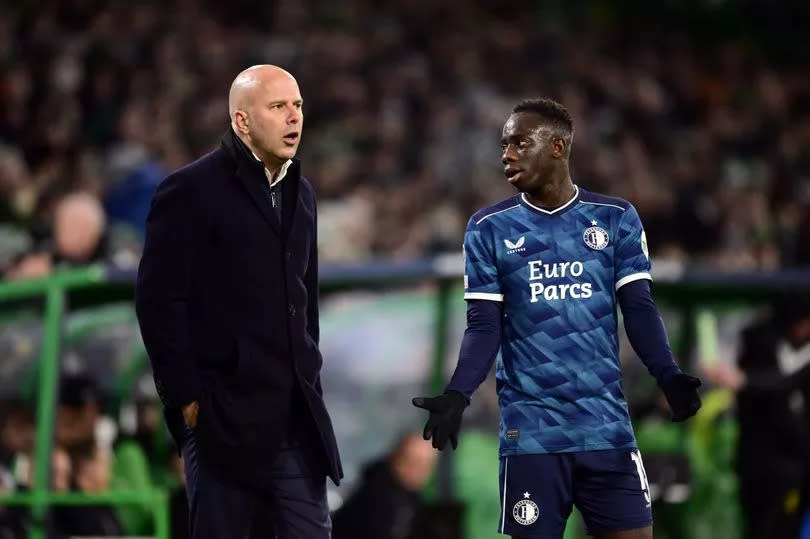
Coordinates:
(94,453)
(99,100)
(90,455)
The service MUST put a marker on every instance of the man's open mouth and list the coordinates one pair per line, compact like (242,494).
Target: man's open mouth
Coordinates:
(512,174)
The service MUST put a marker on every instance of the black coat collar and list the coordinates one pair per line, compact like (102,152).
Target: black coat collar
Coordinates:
(252,176)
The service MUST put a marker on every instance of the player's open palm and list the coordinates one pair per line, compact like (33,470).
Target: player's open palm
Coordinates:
(445,417)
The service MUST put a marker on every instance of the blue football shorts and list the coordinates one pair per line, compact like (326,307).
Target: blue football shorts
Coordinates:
(538,492)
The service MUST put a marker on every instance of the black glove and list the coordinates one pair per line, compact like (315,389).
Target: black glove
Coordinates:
(445,417)
(682,396)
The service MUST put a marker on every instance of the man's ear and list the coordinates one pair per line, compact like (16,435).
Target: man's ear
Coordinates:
(558,147)
(241,121)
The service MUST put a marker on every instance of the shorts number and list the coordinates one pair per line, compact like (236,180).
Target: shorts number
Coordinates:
(642,475)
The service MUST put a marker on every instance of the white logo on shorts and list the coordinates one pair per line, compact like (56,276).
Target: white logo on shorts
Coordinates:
(526,511)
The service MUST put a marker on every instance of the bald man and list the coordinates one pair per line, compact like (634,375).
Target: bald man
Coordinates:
(227,301)
(78,227)
(386,502)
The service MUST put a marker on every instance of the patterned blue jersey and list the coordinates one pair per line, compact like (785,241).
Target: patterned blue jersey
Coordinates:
(557,272)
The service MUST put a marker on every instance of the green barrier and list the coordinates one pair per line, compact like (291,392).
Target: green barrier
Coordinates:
(46,372)
(54,289)
(156,499)
(691,294)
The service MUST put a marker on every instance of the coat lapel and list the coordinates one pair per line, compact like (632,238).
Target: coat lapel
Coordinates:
(258,193)
(251,175)
(291,201)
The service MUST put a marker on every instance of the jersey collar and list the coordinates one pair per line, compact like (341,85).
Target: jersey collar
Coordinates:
(556,211)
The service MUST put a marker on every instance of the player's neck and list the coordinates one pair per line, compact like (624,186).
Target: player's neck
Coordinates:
(553,194)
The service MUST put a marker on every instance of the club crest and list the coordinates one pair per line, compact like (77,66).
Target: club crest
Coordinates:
(526,512)
(595,237)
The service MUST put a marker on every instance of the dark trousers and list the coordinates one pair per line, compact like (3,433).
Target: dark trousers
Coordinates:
(773,506)
(294,504)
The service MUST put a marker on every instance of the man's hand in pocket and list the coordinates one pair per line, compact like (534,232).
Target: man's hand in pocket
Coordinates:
(190,412)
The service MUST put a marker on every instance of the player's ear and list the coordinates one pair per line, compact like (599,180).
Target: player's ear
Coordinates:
(558,147)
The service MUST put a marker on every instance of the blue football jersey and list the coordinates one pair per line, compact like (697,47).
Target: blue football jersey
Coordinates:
(557,272)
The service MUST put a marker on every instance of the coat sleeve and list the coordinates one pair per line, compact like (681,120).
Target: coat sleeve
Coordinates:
(311,281)
(163,289)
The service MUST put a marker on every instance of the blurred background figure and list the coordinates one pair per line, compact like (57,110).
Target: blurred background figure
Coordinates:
(386,501)
(78,412)
(78,228)
(61,480)
(16,438)
(61,470)
(143,458)
(16,444)
(91,475)
(77,237)
(774,418)
(29,266)
(84,435)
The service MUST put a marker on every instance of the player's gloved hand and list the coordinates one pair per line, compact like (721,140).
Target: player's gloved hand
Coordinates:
(681,393)
(445,417)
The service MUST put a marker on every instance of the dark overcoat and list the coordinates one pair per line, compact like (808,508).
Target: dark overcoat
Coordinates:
(227,302)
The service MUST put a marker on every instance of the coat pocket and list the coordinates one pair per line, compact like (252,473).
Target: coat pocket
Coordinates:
(258,368)
(247,373)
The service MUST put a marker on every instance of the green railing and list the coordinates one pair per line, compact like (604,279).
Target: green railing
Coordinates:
(156,499)
(689,293)
(97,285)
(54,289)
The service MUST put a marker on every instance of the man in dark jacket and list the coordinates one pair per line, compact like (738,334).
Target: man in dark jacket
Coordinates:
(772,405)
(227,300)
(386,502)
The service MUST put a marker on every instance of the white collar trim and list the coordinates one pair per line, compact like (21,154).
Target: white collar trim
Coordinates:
(555,210)
(281,171)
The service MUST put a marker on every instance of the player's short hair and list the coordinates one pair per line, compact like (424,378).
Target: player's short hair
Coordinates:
(553,113)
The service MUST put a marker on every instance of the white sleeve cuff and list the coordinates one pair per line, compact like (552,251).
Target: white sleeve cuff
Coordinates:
(483,295)
(634,277)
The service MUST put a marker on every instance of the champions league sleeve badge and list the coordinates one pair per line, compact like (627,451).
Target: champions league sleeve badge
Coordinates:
(595,237)
(526,511)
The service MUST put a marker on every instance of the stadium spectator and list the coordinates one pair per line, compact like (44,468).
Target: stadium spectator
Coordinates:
(139,459)
(705,134)
(774,420)
(78,412)
(91,464)
(61,470)
(16,438)
(78,229)
(386,502)
(77,237)
(16,444)
(91,475)
(14,521)
(29,266)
